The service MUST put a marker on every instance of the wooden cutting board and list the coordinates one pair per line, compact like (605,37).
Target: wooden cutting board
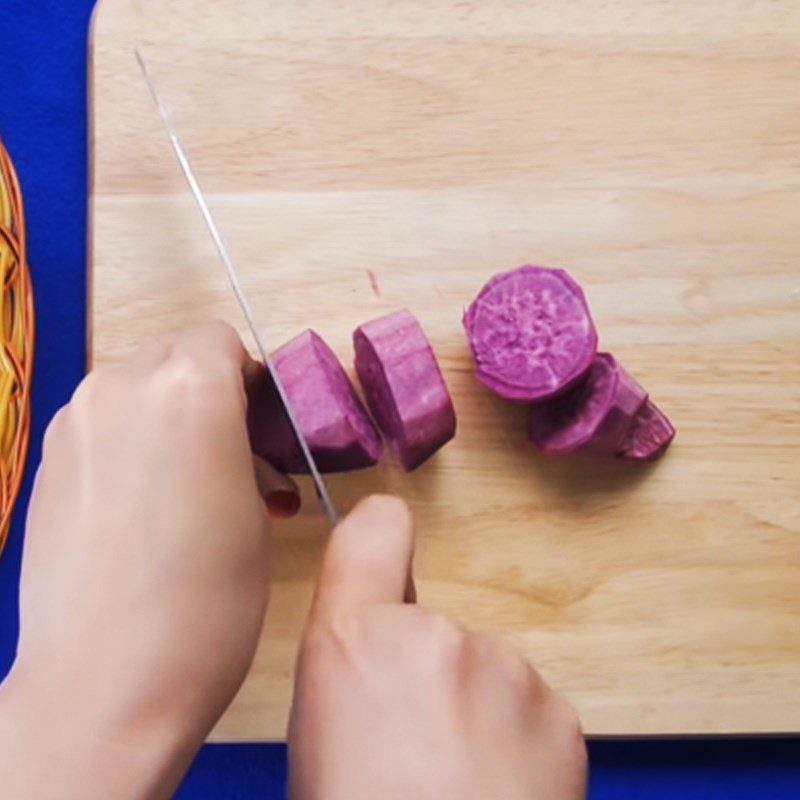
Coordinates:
(363,155)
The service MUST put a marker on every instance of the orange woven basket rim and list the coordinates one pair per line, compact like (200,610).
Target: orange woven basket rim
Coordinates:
(16,341)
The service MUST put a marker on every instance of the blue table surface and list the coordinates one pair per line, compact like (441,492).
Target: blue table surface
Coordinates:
(43,122)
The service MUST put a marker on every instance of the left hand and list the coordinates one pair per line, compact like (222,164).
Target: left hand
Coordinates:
(145,575)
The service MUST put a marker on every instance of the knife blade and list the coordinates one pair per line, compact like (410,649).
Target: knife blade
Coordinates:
(183,162)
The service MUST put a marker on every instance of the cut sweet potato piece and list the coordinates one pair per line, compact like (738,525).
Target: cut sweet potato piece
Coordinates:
(594,417)
(649,435)
(531,333)
(404,387)
(339,432)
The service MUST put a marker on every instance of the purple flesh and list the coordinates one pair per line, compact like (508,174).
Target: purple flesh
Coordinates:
(649,436)
(339,432)
(594,417)
(531,333)
(404,387)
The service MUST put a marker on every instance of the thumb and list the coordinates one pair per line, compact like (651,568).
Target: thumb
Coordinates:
(369,557)
(279,491)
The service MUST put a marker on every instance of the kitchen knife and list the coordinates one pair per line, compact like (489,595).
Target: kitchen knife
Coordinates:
(319,482)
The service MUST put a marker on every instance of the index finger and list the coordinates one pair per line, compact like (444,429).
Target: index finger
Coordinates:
(214,343)
(210,344)
(216,346)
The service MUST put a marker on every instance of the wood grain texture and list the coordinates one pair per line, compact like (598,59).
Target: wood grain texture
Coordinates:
(651,148)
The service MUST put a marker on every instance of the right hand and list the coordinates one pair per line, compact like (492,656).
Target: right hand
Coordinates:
(395,702)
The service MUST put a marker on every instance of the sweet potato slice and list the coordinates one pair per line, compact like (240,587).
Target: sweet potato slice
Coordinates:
(531,333)
(404,387)
(649,435)
(594,417)
(330,414)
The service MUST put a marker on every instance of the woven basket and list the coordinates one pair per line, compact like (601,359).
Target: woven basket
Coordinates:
(16,342)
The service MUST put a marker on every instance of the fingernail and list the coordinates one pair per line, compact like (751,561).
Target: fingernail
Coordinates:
(411,591)
(283,504)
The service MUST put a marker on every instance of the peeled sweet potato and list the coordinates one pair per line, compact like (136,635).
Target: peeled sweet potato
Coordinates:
(649,435)
(594,417)
(404,387)
(339,432)
(531,333)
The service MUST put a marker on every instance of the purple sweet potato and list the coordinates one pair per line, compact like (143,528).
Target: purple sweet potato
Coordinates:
(339,432)
(404,387)
(594,417)
(531,333)
(649,435)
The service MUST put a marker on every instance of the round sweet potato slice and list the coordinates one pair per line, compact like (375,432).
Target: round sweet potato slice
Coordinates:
(531,333)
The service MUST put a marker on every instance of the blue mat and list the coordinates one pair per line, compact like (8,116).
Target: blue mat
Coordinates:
(43,121)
